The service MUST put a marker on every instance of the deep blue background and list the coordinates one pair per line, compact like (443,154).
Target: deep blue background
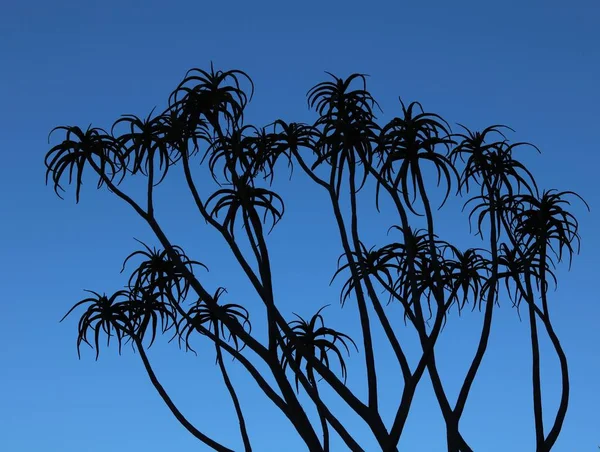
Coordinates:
(532,65)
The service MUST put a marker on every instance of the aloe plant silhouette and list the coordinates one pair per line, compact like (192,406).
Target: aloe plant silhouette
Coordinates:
(540,224)
(320,341)
(525,234)
(79,148)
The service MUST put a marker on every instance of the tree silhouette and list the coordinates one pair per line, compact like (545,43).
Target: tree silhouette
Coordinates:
(524,233)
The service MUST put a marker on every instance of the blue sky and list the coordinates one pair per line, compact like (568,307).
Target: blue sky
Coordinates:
(532,65)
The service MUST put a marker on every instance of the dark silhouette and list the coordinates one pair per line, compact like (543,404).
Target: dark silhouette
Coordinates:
(526,234)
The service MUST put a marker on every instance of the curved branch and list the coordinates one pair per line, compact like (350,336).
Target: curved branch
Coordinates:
(163,394)
(234,399)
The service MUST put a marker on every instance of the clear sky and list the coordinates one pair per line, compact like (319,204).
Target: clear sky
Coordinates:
(532,65)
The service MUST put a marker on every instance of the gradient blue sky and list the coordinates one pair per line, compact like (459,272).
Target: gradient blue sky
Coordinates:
(533,65)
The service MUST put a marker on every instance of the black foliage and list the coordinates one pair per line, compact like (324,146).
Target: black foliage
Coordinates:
(527,234)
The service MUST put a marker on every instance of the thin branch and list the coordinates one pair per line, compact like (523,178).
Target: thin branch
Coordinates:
(234,398)
(163,394)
